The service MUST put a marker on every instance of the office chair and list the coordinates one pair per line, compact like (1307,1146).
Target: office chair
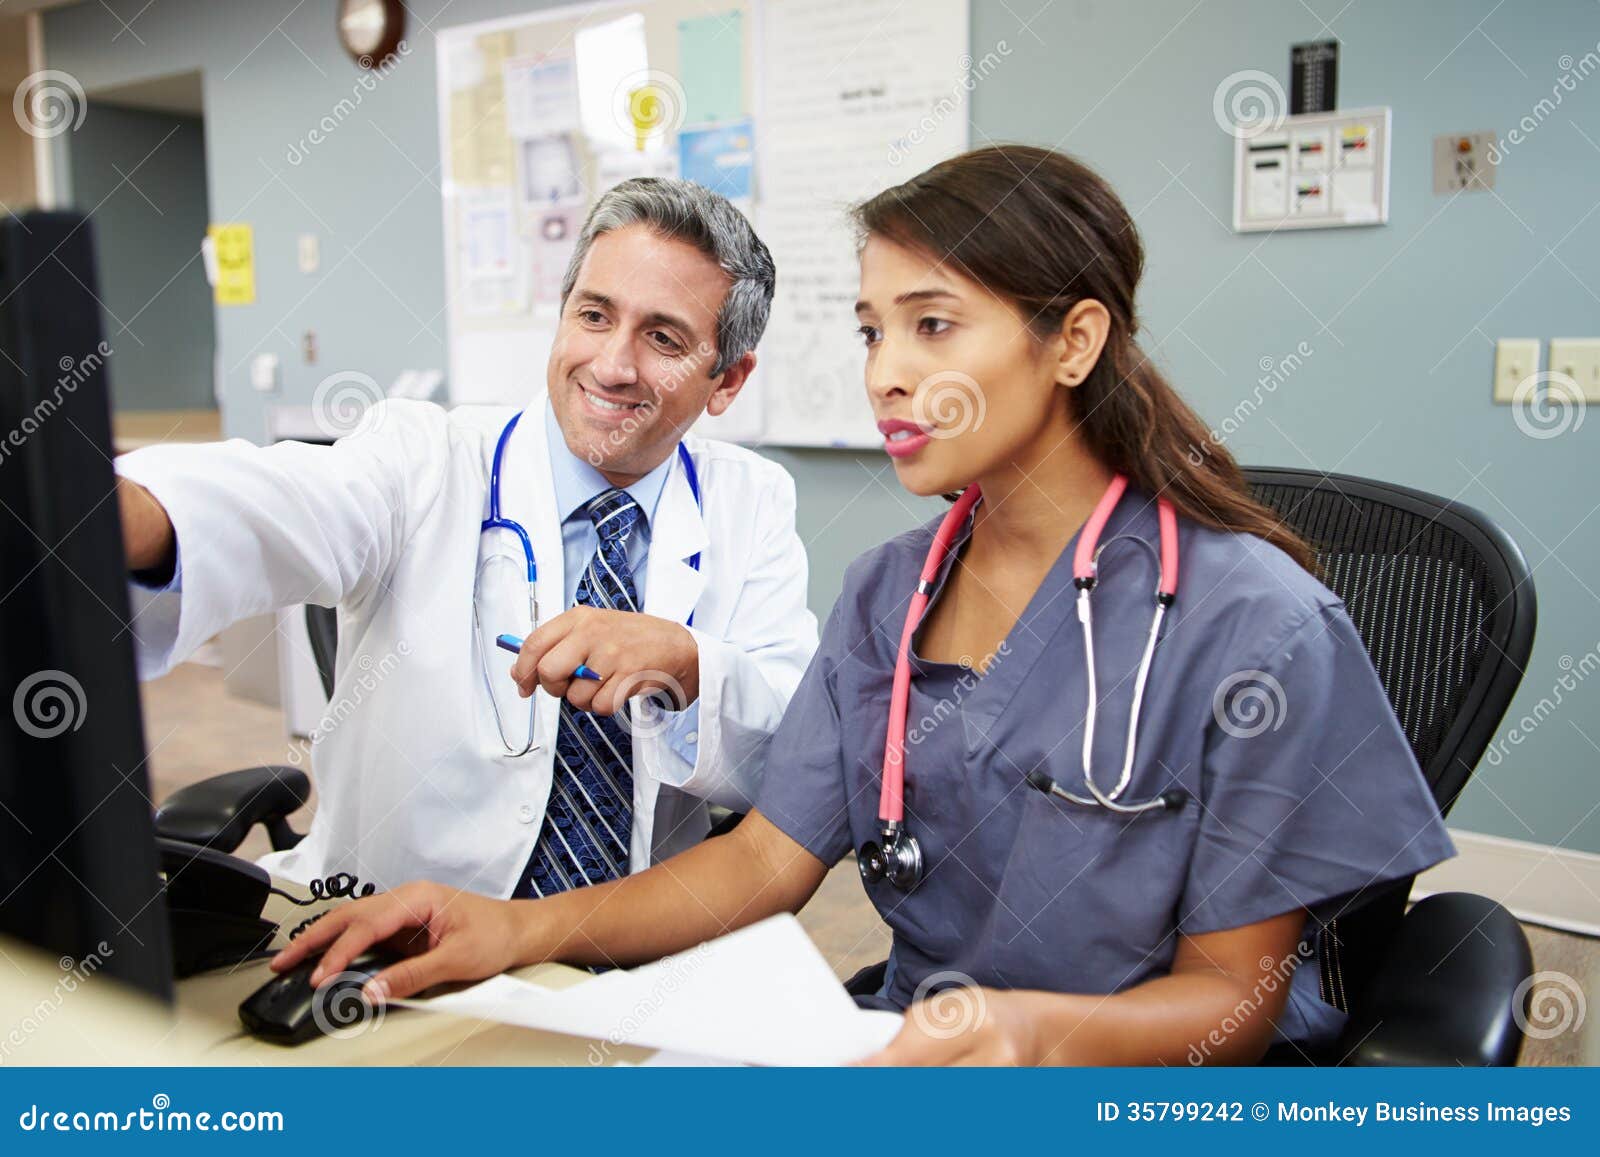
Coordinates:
(220,811)
(1444,602)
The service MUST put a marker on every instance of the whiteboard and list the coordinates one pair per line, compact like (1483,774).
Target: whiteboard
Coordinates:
(843,98)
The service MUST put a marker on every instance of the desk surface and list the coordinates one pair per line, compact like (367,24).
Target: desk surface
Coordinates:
(93,1021)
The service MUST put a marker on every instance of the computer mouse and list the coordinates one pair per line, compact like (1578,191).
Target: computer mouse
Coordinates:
(288,1010)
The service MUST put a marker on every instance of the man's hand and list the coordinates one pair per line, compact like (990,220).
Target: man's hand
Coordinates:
(147,536)
(633,653)
(445,934)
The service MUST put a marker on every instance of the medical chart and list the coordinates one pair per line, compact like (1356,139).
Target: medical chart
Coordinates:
(762,995)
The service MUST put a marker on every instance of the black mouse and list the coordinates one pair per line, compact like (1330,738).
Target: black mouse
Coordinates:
(288,1010)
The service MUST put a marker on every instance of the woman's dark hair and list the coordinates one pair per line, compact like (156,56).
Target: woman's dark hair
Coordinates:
(1045,232)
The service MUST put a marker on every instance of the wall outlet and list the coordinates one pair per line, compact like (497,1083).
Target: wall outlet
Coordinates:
(1462,161)
(1577,358)
(1516,359)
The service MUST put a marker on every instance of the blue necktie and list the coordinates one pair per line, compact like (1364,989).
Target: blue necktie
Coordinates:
(587,824)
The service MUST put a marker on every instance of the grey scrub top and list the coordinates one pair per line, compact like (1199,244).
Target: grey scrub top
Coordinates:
(1302,787)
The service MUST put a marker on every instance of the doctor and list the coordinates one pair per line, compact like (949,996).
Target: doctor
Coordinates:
(664,568)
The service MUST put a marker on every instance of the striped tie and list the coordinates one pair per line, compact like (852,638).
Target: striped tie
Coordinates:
(589,819)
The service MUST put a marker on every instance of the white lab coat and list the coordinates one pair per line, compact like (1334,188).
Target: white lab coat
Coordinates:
(385,525)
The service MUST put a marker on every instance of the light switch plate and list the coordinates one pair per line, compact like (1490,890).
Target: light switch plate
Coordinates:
(1577,358)
(1516,359)
(264,372)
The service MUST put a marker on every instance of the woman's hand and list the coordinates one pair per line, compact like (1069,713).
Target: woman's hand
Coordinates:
(964,1026)
(447,934)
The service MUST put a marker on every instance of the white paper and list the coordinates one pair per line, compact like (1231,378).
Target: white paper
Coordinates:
(541,96)
(486,234)
(762,995)
(611,58)
(846,111)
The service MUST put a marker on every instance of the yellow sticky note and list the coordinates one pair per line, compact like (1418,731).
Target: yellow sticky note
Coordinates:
(236,264)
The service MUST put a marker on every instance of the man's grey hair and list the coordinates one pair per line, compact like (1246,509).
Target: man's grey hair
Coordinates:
(685,211)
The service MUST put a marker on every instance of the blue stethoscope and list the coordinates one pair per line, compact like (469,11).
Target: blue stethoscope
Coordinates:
(496,521)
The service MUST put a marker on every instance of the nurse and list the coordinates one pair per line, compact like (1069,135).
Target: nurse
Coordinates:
(1156,918)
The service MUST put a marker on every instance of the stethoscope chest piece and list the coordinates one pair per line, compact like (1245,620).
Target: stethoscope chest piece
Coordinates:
(898,859)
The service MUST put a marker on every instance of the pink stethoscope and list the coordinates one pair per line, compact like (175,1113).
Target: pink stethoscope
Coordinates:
(898,858)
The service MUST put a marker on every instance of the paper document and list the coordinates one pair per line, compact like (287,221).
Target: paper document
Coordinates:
(762,995)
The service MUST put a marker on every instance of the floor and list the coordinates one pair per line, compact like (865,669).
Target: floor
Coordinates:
(194,729)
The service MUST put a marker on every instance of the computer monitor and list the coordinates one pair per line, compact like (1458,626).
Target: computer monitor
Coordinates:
(78,864)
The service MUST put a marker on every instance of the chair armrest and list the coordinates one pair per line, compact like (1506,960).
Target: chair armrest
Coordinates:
(219,812)
(1446,991)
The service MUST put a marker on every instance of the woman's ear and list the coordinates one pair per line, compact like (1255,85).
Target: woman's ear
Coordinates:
(1083,336)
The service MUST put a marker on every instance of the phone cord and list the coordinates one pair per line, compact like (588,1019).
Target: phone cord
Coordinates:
(333,887)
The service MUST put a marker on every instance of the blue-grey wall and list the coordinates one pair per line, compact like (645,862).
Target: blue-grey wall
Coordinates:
(143,174)
(1399,319)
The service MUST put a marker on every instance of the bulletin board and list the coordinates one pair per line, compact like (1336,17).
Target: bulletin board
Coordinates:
(793,109)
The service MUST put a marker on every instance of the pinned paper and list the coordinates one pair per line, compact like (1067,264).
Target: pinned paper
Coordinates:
(233,247)
(719,158)
(711,66)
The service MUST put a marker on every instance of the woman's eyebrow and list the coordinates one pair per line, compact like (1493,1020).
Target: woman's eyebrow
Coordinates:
(912,295)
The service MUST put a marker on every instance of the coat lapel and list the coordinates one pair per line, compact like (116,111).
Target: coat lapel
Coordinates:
(672,586)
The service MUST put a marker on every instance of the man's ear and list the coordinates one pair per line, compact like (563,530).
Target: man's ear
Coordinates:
(733,380)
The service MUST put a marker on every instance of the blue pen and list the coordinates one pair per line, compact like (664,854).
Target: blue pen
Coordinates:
(514,645)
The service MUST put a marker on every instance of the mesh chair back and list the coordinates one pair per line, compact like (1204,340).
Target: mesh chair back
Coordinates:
(1444,602)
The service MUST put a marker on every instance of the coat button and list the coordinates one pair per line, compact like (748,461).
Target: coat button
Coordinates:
(525,813)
